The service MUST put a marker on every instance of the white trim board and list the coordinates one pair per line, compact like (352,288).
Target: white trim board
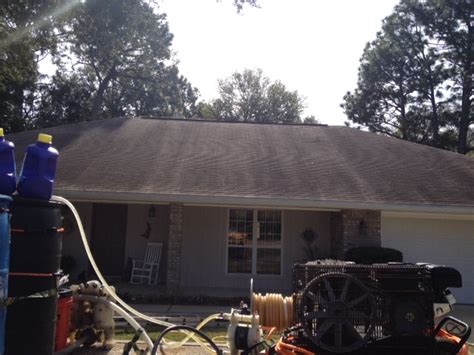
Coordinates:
(439,216)
(262,202)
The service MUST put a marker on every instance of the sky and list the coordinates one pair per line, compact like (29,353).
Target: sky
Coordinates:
(312,46)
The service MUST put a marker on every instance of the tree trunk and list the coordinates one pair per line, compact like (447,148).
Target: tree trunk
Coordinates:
(403,116)
(18,122)
(99,97)
(434,117)
(97,102)
(466,96)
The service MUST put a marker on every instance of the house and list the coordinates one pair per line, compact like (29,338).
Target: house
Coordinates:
(229,200)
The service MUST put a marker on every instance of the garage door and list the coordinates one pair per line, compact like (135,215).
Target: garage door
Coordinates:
(447,242)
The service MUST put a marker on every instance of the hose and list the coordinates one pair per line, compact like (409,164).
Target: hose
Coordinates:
(120,311)
(112,293)
(283,348)
(270,332)
(185,327)
(86,338)
(274,309)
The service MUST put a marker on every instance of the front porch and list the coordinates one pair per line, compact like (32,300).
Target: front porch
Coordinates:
(203,250)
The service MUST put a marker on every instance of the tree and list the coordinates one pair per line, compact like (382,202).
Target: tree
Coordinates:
(18,74)
(405,86)
(311,120)
(113,59)
(450,23)
(124,48)
(395,80)
(66,99)
(251,97)
(23,43)
(170,95)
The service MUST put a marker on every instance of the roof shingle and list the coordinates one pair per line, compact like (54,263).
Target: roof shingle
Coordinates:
(267,161)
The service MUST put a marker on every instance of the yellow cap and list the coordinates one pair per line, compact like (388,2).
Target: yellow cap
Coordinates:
(1,133)
(45,138)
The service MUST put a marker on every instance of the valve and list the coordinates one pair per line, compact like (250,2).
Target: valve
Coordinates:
(244,331)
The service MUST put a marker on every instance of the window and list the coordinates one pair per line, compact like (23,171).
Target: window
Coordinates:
(254,242)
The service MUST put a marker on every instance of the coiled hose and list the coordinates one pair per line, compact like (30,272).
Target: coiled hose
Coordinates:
(130,309)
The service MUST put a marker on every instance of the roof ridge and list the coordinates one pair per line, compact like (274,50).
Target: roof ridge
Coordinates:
(196,119)
(70,124)
(418,145)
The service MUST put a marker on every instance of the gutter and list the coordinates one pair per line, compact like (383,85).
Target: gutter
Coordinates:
(242,201)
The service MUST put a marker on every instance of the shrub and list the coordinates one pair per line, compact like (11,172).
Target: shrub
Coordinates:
(372,255)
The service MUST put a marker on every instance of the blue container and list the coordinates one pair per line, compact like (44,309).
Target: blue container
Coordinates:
(38,169)
(4,261)
(7,166)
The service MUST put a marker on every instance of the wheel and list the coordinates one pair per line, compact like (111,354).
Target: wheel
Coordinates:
(338,312)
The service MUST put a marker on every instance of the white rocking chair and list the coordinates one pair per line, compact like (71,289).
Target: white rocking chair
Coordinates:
(147,269)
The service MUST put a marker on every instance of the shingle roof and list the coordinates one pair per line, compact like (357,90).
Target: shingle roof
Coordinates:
(322,165)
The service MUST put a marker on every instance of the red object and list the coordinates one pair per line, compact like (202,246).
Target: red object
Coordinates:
(62,321)
(444,334)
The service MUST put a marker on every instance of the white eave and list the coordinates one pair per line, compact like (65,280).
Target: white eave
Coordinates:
(389,209)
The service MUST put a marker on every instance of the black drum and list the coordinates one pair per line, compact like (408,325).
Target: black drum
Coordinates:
(35,256)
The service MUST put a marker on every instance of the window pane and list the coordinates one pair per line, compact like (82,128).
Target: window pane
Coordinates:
(268,261)
(239,260)
(240,227)
(269,228)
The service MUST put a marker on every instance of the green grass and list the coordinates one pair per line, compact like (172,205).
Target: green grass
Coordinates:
(212,332)
(127,334)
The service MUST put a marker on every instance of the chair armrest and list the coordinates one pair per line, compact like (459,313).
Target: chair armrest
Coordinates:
(137,263)
(153,264)
(148,265)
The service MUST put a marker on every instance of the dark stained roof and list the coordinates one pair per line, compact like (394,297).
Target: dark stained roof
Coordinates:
(326,166)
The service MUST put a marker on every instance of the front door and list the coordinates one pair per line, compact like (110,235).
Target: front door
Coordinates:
(109,229)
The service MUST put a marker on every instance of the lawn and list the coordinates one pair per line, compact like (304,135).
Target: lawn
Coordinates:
(128,333)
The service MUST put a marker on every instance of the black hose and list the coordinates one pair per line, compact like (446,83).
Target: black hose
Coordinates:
(248,351)
(184,327)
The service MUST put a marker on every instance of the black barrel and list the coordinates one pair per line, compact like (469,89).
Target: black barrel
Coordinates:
(31,322)
(35,256)
(35,236)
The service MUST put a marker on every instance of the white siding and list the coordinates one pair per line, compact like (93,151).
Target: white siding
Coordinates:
(203,268)
(439,241)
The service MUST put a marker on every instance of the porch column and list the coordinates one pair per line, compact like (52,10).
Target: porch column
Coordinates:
(354,228)
(175,241)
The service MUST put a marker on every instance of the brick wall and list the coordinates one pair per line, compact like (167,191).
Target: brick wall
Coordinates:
(175,241)
(337,245)
(353,228)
